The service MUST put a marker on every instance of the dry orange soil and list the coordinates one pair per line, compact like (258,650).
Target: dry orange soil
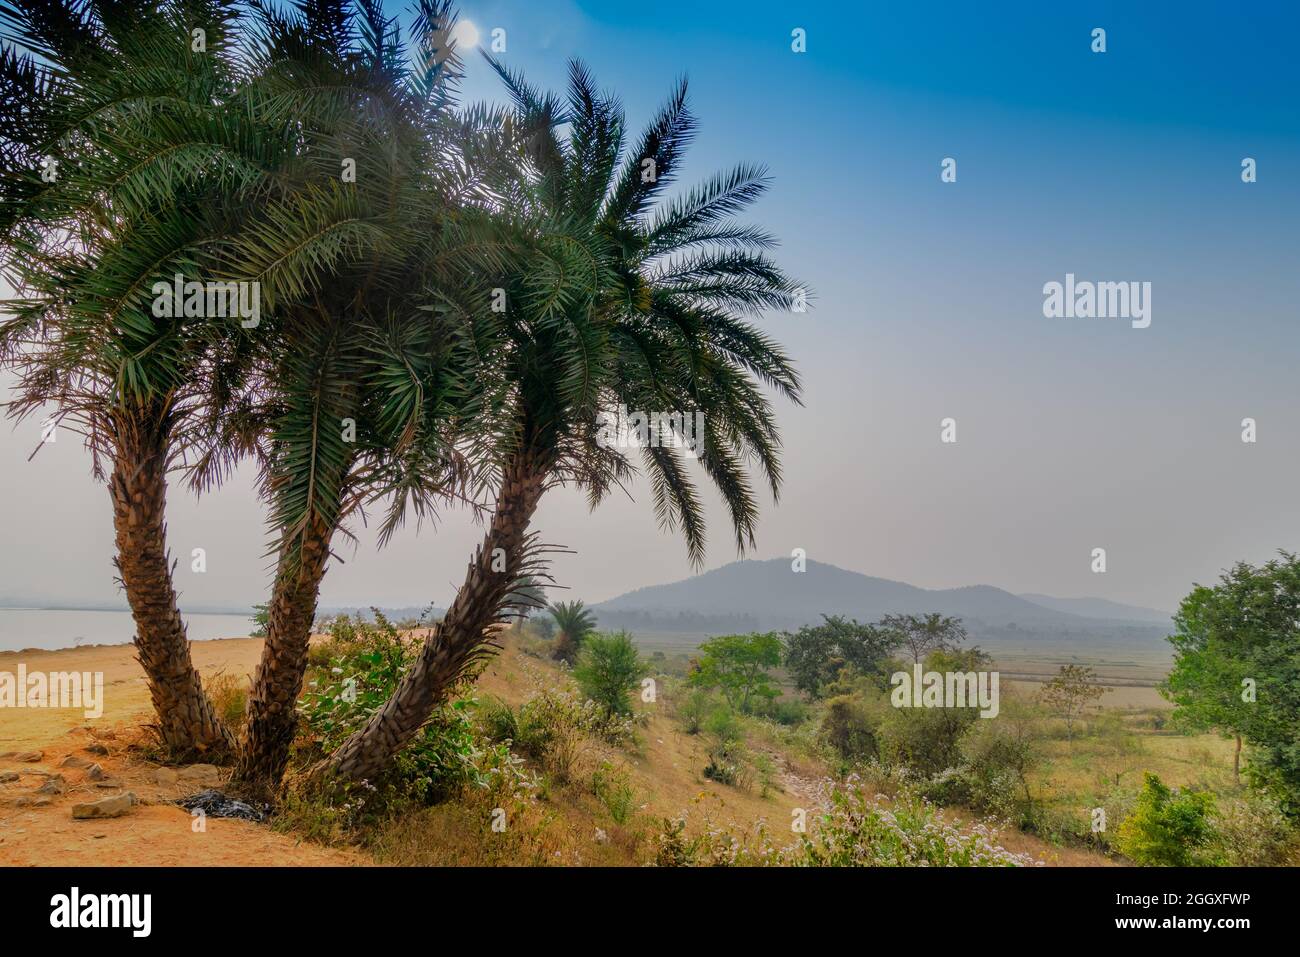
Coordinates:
(36,826)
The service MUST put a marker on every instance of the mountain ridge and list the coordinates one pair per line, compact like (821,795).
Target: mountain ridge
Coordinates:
(770,593)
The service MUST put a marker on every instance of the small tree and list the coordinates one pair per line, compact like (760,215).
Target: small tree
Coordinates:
(739,666)
(609,670)
(815,654)
(261,617)
(1070,692)
(573,622)
(923,634)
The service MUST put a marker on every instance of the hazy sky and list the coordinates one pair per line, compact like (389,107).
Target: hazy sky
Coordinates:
(1072,434)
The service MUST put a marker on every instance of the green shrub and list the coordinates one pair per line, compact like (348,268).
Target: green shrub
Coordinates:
(613,787)
(848,729)
(925,740)
(609,670)
(366,662)
(726,747)
(1169,827)
(998,755)
(553,729)
(789,712)
(1254,832)
(694,709)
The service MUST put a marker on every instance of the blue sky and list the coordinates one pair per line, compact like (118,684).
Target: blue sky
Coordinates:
(1072,433)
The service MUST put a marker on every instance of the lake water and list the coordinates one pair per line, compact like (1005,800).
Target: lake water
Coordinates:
(41,628)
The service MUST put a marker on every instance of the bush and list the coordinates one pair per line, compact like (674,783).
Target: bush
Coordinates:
(609,670)
(998,755)
(614,789)
(726,747)
(1253,832)
(552,729)
(1169,828)
(848,730)
(365,664)
(925,740)
(789,712)
(694,709)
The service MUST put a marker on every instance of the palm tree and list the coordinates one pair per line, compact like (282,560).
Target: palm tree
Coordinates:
(360,389)
(614,301)
(574,622)
(118,143)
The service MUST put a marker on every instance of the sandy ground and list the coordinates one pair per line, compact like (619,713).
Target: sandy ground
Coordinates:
(36,824)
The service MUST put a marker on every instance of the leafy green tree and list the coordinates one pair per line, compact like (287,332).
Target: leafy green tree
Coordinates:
(609,670)
(1169,828)
(573,623)
(740,667)
(815,654)
(1237,668)
(1070,692)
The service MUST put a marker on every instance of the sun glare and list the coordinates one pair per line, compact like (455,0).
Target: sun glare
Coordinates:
(464,35)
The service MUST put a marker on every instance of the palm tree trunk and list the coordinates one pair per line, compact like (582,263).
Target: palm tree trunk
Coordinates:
(272,704)
(460,638)
(187,721)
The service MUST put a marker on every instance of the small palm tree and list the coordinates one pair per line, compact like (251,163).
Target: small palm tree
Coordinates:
(608,298)
(573,622)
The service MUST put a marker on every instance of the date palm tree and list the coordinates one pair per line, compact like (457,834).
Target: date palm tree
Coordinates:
(617,299)
(118,142)
(573,622)
(359,388)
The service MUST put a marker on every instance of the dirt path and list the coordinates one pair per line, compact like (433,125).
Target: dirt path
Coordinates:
(46,756)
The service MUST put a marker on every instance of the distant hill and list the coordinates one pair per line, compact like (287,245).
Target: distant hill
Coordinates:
(762,595)
(1101,608)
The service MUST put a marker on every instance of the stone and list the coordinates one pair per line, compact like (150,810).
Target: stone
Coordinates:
(108,783)
(72,761)
(29,801)
(96,748)
(7,776)
(54,784)
(94,773)
(196,773)
(30,757)
(163,776)
(114,806)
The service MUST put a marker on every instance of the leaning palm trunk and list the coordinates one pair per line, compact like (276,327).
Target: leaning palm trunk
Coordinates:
(272,704)
(463,635)
(187,721)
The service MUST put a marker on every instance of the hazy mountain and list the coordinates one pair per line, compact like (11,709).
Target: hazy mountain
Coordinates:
(771,592)
(767,595)
(1100,608)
